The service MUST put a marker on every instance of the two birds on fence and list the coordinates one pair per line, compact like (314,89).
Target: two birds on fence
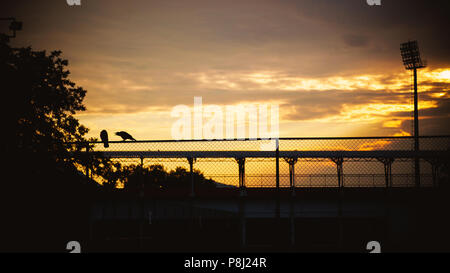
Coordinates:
(124,135)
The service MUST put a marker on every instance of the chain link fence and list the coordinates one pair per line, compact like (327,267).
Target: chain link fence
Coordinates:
(302,162)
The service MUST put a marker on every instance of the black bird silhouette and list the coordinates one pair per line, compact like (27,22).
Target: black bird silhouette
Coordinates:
(104,137)
(124,135)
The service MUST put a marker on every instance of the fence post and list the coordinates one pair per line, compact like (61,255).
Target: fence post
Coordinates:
(87,161)
(292,218)
(242,221)
(277,165)
(142,200)
(435,174)
(142,179)
(191,161)
(241,200)
(387,170)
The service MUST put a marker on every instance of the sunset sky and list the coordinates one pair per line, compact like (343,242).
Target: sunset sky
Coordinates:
(333,67)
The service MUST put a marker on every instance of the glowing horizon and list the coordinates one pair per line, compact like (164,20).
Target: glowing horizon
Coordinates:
(372,113)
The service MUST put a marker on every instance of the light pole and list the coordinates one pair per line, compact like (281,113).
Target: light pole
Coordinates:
(412,61)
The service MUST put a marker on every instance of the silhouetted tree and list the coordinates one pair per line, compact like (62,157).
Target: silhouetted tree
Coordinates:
(111,172)
(44,102)
(136,177)
(44,187)
(46,191)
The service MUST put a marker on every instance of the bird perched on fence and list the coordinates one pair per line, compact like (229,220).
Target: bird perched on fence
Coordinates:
(104,138)
(124,135)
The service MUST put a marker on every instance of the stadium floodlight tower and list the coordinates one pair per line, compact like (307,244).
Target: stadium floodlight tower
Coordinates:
(412,61)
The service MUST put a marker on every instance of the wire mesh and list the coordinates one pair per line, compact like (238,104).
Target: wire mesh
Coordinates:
(260,172)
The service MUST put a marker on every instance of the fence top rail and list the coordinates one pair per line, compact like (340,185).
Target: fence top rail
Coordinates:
(260,139)
(271,154)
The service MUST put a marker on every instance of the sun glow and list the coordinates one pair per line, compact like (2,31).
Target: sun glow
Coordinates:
(273,80)
(440,75)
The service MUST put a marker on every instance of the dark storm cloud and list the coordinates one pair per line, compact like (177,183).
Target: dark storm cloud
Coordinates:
(388,24)
(356,40)
(297,37)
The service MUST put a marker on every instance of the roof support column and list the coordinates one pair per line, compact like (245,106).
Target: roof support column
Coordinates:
(387,170)
(340,173)
(241,163)
(291,161)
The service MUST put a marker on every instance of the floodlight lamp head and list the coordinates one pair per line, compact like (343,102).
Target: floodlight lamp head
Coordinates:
(411,55)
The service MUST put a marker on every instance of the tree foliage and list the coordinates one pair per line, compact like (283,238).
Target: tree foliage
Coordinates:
(43,98)
(42,186)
